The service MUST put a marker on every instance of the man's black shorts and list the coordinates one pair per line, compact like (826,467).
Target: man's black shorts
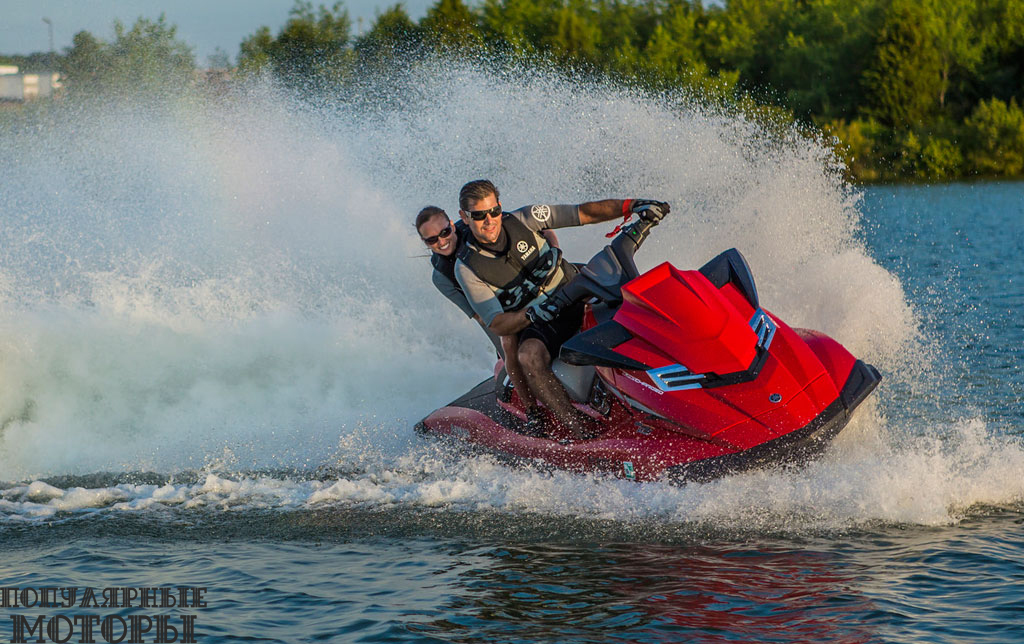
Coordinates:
(554,333)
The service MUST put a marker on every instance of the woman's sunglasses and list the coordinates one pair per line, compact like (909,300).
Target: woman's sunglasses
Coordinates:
(433,239)
(480,215)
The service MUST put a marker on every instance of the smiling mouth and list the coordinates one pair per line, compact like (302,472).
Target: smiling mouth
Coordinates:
(444,246)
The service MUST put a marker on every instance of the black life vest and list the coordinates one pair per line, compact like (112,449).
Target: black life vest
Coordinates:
(445,264)
(522,271)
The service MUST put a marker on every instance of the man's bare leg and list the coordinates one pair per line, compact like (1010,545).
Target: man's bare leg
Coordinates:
(510,347)
(536,362)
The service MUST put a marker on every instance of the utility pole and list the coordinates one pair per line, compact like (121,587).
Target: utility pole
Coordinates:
(49,26)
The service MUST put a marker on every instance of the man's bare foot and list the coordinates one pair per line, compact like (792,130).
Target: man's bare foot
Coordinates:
(584,427)
(536,422)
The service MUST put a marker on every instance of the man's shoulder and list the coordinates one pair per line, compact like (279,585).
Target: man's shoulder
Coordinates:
(470,282)
(461,268)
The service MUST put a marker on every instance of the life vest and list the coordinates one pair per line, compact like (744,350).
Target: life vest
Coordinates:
(523,270)
(445,264)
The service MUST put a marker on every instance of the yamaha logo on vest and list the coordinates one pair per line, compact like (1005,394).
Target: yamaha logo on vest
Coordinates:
(525,249)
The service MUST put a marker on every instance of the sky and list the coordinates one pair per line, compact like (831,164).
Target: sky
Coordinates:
(203,24)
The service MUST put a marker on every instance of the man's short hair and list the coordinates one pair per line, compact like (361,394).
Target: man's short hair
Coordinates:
(427,214)
(476,191)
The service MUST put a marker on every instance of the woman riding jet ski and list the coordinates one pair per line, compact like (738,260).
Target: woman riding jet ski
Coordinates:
(687,376)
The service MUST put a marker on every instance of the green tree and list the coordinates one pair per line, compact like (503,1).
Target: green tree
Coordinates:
(673,47)
(150,54)
(393,37)
(959,36)
(576,34)
(623,26)
(83,62)
(452,26)
(941,158)
(818,65)
(254,51)
(744,35)
(904,78)
(310,51)
(859,144)
(148,58)
(513,26)
(995,132)
(1001,71)
(672,55)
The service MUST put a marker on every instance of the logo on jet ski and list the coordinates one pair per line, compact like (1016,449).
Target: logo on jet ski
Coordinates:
(628,471)
(541,213)
(643,384)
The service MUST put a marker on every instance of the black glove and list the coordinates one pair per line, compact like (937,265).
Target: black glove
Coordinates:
(543,310)
(650,210)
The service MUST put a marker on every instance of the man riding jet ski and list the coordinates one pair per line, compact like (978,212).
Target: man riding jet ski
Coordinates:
(683,373)
(507,270)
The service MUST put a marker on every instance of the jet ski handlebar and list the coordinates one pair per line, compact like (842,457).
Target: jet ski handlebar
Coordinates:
(605,274)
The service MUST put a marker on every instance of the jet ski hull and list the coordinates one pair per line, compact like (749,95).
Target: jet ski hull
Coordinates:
(634,445)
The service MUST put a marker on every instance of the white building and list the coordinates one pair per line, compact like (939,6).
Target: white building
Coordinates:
(15,86)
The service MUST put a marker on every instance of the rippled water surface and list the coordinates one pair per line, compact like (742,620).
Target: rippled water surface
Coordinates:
(217,331)
(381,575)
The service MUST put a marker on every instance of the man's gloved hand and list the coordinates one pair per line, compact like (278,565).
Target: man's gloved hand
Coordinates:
(544,310)
(650,210)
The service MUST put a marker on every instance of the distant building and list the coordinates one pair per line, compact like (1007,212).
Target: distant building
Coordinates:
(15,86)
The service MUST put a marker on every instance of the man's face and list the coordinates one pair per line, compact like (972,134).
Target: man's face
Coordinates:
(432,230)
(488,229)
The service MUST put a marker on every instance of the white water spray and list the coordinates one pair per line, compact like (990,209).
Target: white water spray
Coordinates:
(238,283)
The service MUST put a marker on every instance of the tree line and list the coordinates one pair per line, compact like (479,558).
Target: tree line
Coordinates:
(908,89)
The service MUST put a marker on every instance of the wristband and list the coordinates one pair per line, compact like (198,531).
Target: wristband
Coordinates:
(627,205)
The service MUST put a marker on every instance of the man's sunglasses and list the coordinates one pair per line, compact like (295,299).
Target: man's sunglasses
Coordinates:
(480,215)
(433,239)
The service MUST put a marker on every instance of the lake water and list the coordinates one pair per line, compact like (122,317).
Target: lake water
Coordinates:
(217,331)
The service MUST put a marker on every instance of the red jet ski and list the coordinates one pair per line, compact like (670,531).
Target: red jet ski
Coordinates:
(685,373)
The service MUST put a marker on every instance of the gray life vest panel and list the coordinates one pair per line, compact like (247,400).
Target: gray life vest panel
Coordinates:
(522,271)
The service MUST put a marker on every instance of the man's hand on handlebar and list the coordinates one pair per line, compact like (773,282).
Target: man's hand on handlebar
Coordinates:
(650,210)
